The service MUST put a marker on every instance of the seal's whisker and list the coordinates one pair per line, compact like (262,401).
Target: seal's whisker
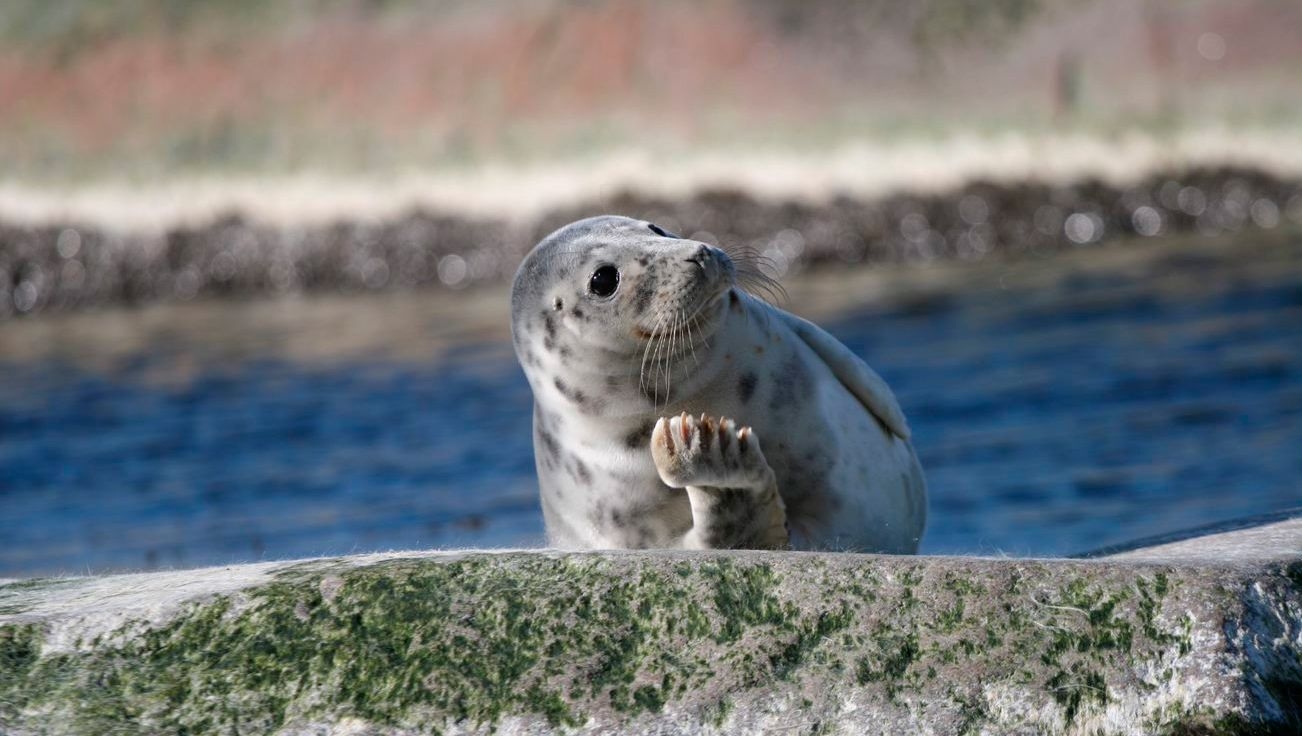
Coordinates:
(670,347)
(676,341)
(664,362)
(669,354)
(647,351)
(642,366)
(661,351)
(753,269)
(745,255)
(691,342)
(658,338)
(768,288)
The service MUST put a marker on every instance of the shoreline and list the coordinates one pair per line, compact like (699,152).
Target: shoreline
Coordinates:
(73,264)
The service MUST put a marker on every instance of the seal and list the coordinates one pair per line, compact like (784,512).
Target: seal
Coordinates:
(655,374)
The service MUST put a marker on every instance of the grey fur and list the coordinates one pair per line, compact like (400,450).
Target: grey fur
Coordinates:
(678,335)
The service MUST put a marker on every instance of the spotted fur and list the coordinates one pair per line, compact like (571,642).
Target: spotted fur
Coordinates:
(613,375)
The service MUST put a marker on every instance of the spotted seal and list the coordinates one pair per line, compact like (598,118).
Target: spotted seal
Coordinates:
(655,375)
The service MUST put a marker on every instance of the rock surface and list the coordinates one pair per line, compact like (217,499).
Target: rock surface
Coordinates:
(660,642)
(1274,537)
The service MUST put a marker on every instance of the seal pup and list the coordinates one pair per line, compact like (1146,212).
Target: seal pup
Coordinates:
(655,375)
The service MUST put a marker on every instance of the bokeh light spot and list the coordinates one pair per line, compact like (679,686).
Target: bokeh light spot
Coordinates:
(68,243)
(1211,46)
(1080,228)
(453,270)
(1146,220)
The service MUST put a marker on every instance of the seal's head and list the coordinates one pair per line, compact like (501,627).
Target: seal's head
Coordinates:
(608,286)
(604,308)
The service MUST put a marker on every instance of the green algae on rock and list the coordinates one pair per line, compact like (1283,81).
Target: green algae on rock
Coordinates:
(681,642)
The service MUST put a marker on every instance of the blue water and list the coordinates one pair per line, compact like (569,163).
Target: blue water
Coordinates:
(1090,410)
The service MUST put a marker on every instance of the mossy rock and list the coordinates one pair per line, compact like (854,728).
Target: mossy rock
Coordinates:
(536,642)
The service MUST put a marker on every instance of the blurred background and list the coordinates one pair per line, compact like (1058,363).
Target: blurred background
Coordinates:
(254,254)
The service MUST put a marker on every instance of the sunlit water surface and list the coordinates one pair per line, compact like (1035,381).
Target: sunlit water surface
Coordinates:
(1058,405)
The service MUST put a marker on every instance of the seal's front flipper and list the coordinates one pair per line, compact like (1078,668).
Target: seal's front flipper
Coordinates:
(732,489)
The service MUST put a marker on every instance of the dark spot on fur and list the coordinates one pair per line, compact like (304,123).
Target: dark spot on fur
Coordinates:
(791,383)
(552,448)
(549,324)
(597,514)
(578,313)
(584,476)
(558,304)
(746,386)
(643,261)
(638,438)
(639,536)
(646,288)
(804,486)
(573,394)
(549,344)
(547,420)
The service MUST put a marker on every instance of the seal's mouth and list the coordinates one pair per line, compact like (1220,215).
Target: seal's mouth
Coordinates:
(696,321)
(686,324)
(716,275)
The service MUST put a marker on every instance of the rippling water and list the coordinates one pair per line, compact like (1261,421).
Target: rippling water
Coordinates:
(1058,405)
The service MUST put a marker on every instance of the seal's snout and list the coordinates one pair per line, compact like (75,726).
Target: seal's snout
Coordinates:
(711,263)
(700,257)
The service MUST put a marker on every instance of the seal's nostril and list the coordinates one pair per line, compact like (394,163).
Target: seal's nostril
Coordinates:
(700,257)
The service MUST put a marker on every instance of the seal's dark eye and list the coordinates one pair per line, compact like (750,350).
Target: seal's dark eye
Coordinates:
(657,230)
(604,281)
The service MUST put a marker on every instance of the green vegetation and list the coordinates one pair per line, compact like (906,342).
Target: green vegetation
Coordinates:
(470,641)
(421,644)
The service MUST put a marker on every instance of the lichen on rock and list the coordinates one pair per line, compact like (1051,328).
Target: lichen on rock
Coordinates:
(715,642)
